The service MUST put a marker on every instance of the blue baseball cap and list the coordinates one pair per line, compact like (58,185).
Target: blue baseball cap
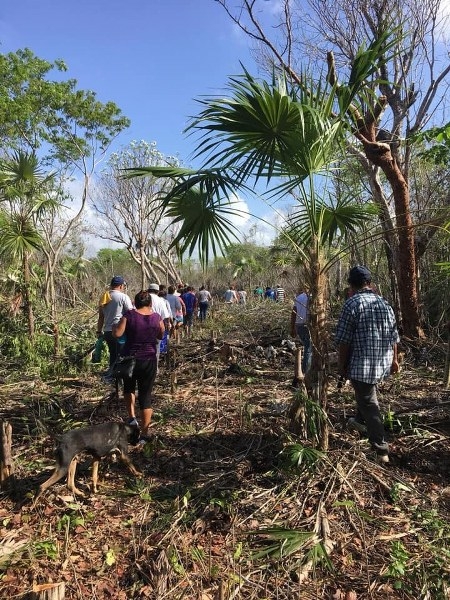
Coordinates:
(117,280)
(359,275)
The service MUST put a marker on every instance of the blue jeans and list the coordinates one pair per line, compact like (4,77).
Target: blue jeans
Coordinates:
(203,308)
(305,337)
(369,413)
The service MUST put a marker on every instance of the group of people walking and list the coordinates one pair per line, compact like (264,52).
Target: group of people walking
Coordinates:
(366,336)
(138,328)
(275,293)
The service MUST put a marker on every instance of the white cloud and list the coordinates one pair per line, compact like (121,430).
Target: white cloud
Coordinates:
(241,213)
(258,229)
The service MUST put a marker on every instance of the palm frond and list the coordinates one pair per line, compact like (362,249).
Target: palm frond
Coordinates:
(329,221)
(201,202)
(287,542)
(18,236)
(204,224)
(264,131)
(365,67)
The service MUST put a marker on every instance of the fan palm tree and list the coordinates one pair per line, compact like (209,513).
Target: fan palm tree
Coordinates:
(288,135)
(23,198)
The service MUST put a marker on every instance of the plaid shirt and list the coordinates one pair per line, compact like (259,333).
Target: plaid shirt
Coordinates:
(367,324)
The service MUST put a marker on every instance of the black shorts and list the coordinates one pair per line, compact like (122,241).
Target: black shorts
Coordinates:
(188,318)
(144,376)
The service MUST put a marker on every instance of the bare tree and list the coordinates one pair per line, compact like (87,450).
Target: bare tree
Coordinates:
(415,81)
(132,214)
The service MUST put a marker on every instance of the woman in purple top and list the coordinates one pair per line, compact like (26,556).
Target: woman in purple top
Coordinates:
(142,329)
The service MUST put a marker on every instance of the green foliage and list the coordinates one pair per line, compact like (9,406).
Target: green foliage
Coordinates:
(175,561)
(281,131)
(47,548)
(351,506)
(312,415)
(408,571)
(397,491)
(437,141)
(70,521)
(201,222)
(398,564)
(365,66)
(296,457)
(138,487)
(36,353)
(37,109)
(283,542)
(225,500)
(400,423)
(330,221)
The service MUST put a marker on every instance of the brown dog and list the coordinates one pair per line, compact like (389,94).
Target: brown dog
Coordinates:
(98,440)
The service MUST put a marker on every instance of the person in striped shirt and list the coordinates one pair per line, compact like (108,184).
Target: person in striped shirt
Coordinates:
(279,294)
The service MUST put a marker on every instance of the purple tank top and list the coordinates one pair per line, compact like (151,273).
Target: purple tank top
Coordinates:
(141,332)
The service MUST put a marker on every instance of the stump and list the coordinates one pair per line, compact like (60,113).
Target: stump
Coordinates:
(6,462)
(299,377)
(297,414)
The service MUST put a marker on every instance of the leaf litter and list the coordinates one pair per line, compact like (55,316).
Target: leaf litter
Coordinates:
(218,514)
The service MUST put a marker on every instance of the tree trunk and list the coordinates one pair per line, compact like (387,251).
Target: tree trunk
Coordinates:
(142,266)
(380,154)
(387,225)
(447,361)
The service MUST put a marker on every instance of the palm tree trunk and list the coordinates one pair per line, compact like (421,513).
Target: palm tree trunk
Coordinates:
(317,380)
(27,295)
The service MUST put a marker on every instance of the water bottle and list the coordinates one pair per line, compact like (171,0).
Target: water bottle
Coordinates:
(98,349)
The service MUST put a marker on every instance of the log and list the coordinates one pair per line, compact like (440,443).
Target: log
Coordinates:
(6,461)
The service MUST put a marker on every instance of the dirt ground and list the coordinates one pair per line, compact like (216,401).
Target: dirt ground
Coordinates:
(220,512)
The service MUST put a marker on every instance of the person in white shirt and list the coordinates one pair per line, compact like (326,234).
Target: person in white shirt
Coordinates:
(112,306)
(279,293)
(242,294)
(176,307)
(204,300)
(162,308)
(231,296)
(159,305)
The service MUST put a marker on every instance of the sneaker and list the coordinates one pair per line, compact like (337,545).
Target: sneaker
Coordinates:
(108,380)
(354,425)
(144,439)
(133,422)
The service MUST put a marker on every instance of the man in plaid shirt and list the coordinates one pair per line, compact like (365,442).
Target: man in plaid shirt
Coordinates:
(367,336)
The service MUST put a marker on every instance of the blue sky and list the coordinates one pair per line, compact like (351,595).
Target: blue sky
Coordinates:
(150,57)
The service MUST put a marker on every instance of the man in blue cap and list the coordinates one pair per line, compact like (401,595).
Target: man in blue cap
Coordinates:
(367,336)
(112,306)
